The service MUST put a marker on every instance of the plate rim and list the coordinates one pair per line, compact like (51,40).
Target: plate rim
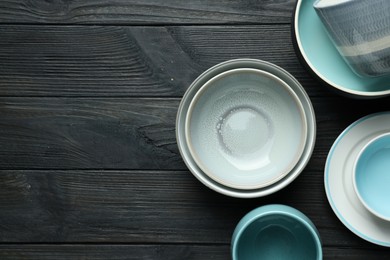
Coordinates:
(327,186)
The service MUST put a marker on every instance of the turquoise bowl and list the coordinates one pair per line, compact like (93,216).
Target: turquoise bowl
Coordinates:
(276,232)
(372,176)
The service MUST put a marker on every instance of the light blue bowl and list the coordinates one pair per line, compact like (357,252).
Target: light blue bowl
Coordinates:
(372,176)
(276,232)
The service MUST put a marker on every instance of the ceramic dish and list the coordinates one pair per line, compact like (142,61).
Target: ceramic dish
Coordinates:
(246,128)
(360,31)
(254,64)
(320,56)
(371,176)
(339,179)
(276,232)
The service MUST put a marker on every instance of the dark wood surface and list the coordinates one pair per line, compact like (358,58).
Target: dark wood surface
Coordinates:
(136,12)
(89,166)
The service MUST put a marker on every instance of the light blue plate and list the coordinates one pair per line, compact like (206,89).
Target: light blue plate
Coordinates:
(321,57)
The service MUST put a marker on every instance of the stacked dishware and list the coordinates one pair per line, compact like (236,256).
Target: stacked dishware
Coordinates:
(359,30)
(357,178)
(346,45)
(276,232)
(246,128)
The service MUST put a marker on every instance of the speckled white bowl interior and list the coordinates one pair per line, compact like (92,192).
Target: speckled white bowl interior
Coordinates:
(246,128)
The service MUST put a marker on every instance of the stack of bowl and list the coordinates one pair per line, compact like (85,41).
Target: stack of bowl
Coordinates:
(357,178)
(345,44)
(245,128)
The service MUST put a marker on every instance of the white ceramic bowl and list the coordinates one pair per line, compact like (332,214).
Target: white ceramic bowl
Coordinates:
(236,64)
(246,128)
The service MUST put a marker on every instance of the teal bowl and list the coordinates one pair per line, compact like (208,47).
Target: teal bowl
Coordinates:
(276,232)
(372,176)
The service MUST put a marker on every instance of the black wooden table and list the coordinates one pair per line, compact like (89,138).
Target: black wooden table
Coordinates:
(88,97)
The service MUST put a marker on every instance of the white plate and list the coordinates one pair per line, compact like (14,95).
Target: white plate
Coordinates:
(339,179)
(246,128)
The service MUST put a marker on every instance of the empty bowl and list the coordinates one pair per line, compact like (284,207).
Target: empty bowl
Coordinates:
(276,232)
(372,176)
(246,128)
(239,64)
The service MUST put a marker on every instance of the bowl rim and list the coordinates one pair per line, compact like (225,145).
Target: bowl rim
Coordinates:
(299,50)
(354,174)
(269,210)
(309,111)
(199,94)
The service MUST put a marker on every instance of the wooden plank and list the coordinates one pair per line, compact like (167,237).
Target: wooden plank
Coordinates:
(144,207)
(126,133)
(88,133)
(149,12)
(119,252)
(112,61)
(378,253)
(114,252)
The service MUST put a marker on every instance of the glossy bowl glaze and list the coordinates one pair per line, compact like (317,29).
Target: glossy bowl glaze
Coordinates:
(237,64)
(339,175)
(246,128)
(372,176)
(275,232)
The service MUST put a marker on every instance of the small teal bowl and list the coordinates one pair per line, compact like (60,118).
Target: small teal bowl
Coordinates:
(372,176)
(276,232)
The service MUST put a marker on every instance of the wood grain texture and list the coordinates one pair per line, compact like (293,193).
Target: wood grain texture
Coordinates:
(112,61)
(115,252)
(145,207)
(88,133)
(126,133)
(146,12)
(89,165)
(166,252)
(141,206)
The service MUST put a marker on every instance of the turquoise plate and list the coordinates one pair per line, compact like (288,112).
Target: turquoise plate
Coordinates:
(318,53)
